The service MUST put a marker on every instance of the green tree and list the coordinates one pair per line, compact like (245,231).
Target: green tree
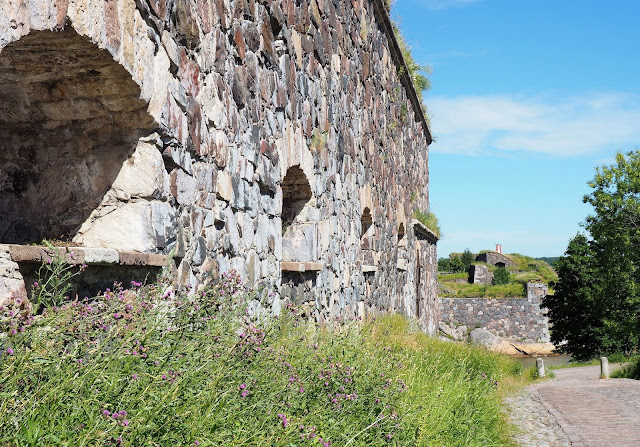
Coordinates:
(596,309)
(501,276)
(467,259)
(457,265)
(572,308)
(444,264)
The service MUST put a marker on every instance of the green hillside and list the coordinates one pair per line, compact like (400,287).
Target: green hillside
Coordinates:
(456,285)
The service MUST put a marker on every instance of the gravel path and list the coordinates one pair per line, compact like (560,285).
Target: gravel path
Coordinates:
(578,409)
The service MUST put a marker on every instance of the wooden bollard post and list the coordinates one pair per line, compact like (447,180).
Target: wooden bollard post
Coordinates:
(604,368)
(540,366)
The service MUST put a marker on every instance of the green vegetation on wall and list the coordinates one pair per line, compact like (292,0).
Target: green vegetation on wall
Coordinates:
(419,74)
(429,220)
(454,279)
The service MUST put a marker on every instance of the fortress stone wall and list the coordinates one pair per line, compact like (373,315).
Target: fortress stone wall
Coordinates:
(515,318)
(282,139)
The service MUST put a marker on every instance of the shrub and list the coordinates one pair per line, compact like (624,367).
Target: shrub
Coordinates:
(501,276)
(457,265)
(54,278)
(467,259)
(444,265)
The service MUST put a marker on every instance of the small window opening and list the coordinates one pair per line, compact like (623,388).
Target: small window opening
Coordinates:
(367,242)
(366,222)
(401,235)
(299,223)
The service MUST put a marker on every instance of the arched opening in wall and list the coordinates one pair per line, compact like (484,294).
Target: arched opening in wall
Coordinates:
(69,117)
(367,230)
(299,222)
(299,238)
(500,264)
(402,248)
(401,235)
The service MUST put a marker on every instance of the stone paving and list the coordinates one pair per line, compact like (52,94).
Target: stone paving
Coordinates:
(589,412)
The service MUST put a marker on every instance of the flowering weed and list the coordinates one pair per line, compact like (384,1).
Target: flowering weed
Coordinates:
(153,366)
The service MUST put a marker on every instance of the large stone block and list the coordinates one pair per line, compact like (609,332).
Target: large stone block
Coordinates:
(143,174)
(12,284)
(136,226)
(300,242)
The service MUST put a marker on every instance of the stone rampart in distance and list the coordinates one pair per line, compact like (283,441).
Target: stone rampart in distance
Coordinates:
(281,139)
(516,318)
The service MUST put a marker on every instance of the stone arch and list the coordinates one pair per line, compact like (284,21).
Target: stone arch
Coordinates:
(368,256)
(296,194)
(366,223)
(401,234)
(299,222)
(69,118)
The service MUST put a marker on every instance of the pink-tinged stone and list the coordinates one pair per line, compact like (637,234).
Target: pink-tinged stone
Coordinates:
(239,40)
(196,130)
(221,12)
(61,12)
(112,24)
(205,14)
(189,74)
(175,119)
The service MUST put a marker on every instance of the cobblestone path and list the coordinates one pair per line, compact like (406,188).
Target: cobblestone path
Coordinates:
(589,412)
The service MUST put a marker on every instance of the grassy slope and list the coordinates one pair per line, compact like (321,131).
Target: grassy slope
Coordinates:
(526,269)
(196,370)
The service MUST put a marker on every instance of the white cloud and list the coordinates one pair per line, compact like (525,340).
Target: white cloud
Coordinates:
(563,127)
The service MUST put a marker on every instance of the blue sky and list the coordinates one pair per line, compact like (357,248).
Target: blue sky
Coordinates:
(527,98)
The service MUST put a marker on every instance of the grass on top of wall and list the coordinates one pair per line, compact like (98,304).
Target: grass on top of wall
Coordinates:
(535,268)
(156,367)
(455,285)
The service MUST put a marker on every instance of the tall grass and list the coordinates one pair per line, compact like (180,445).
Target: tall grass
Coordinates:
(155,367)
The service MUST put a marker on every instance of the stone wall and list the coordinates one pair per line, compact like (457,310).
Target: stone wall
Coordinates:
(280,139)
(517,318)
(495,258)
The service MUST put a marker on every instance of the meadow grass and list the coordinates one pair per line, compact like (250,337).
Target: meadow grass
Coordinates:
(464,290)
(526,269)
(151,366)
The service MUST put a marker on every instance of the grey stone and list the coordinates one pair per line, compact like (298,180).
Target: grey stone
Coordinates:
(484,337)
(100,256)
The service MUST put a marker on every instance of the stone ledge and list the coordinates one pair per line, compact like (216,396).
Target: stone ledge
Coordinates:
(291,266)
(369,268)
(422,228)
(84,255)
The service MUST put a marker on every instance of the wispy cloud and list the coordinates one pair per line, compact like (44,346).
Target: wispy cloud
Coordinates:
(562,127)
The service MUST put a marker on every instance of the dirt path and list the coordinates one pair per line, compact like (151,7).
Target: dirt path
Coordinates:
(589,411)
